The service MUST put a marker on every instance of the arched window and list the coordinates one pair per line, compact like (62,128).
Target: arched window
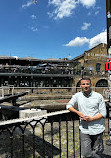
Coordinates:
(102,83)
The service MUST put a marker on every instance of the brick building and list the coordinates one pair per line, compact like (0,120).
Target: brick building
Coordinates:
(33,72)
(92,64)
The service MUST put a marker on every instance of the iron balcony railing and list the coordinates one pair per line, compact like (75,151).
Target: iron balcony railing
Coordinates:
(17,69)
(55,135)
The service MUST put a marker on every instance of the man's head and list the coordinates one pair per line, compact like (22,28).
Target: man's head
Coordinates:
(85,84)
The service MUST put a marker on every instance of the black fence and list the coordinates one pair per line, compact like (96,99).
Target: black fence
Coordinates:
(54,135)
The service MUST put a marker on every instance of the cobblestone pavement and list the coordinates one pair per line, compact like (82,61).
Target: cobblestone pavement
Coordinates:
(107,150)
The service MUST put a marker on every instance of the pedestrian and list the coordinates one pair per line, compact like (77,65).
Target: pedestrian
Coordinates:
(91,111)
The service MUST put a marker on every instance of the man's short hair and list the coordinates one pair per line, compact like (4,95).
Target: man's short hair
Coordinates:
(85,78)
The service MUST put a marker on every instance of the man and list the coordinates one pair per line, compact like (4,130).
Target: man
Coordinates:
(91,110)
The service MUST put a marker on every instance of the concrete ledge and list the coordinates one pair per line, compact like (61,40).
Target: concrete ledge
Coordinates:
(27,113)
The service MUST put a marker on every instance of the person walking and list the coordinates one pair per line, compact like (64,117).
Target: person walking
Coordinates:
(91,111)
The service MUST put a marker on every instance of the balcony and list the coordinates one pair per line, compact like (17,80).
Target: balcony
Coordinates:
(46,71)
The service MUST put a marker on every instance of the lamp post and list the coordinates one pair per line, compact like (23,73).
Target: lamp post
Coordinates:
(108,14)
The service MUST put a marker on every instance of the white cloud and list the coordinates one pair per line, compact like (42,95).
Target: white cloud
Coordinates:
(100,38)
(33,16)
(97,12)
(65,8)
(34,28)
(88,3)
(28,4)
(79,41)
(62,8)
(50,14)
(85,26)
(55,2)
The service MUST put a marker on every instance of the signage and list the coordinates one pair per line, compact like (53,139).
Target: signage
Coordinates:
(108,66)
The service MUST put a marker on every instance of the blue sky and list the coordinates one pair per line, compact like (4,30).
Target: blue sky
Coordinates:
(52,28)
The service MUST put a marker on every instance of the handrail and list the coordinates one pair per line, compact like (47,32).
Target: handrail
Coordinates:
(14,121)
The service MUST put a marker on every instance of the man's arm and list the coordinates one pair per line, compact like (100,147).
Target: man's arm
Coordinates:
(70,107)
(86,118)
(97,117)
(77,112)
(102,111)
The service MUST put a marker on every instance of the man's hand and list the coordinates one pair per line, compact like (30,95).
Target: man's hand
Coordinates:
(88,118)
(97,117)
(82,116)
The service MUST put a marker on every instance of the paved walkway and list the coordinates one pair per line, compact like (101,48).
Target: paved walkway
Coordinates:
(107,150)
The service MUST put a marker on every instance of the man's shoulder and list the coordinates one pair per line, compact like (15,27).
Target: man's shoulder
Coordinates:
(97,94)
(78,93)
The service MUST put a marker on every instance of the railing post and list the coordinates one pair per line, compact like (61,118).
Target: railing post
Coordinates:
(43,140)
(60,136)
(73,138)
(67,135)
(23,143)
(51,138)
(11,138)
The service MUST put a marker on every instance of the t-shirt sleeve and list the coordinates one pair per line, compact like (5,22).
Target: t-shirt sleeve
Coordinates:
(102,106)
(72,102)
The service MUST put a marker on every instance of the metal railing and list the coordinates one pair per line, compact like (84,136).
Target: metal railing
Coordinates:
(4,90)
(15,69)
(54,135)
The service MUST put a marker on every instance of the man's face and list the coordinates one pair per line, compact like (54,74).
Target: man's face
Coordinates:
(86,86)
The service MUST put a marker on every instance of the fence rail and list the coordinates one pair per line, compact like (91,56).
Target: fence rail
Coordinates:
(54,135)
(105,91)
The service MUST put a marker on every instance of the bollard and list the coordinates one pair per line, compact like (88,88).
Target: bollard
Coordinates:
(108,142)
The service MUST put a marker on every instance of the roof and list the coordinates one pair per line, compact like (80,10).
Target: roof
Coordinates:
(82,55)
(6,57)
(29,59)
(78,57)
(97,46)
(56,60)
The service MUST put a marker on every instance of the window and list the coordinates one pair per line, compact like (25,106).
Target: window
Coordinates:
(98,67)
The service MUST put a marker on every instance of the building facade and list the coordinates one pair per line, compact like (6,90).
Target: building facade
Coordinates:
(33,72)
(92,64)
